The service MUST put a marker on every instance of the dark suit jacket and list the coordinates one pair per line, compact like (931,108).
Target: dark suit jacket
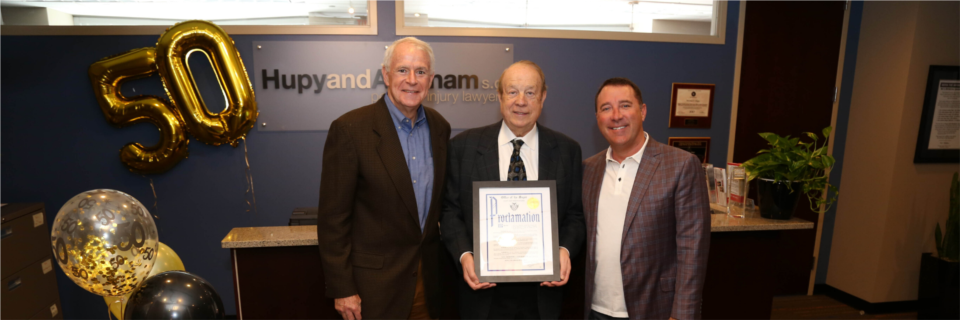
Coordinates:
(473,157)
(666,233)
(368,225)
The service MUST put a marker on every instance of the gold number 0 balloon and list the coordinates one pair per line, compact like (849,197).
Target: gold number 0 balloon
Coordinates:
(106,76)
(173,48)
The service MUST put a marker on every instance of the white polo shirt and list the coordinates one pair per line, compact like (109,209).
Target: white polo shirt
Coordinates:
(615,191)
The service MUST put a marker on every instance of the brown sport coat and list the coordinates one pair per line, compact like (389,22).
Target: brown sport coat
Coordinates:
(368,225)
(666,233)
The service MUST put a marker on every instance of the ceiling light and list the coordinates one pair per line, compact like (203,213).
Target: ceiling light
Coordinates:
(416,15)
(350,10)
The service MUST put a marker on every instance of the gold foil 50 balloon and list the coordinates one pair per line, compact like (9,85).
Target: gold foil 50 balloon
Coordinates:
(105,241)
(174,48)
(187,112)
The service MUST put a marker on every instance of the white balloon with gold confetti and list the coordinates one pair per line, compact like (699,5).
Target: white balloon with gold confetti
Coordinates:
(105,241)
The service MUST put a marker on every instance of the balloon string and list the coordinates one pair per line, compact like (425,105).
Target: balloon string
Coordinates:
(249,178)
(156,209)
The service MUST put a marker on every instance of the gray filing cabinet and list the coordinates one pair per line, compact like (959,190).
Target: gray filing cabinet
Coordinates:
(27,264)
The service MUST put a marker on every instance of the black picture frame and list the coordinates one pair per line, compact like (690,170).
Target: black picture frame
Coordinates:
(554,229)
(923,153)
(698,146)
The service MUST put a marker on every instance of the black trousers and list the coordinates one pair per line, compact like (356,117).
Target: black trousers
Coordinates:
(515,301)
(599,316)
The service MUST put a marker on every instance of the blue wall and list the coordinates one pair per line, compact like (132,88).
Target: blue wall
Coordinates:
(56,142)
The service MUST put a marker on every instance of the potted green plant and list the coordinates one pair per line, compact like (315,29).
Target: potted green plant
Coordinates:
(938,295)
(791,167)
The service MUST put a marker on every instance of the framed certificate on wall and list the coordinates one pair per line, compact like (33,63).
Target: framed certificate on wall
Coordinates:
(698,146)
(939,138)
(691,105)
(515,231)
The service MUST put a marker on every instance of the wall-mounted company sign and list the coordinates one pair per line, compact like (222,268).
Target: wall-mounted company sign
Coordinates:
(305,85)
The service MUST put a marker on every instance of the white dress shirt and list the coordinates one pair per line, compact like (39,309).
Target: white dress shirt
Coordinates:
(615,192)
(529,152)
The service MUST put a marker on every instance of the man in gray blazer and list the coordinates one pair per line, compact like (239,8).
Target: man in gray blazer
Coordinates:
(648,218)
(515,149)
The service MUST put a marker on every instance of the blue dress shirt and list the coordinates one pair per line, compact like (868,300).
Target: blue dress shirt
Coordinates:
(415,141)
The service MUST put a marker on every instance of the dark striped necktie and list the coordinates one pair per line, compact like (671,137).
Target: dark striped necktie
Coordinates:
(516,172)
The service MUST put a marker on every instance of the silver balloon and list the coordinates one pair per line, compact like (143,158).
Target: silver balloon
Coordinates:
(105,241)
(174,295)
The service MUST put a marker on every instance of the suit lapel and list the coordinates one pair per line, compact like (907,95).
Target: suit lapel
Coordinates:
(391,155)
(547,154)
(489,164)
(645,173)
(594,178)
(438,142)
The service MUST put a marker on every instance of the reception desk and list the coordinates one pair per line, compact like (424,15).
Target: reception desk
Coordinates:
(277,272)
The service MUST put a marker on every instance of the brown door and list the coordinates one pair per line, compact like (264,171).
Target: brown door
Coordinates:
(787,78)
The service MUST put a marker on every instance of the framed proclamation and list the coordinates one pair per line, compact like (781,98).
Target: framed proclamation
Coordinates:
(691,105)
(939,138)
(515,237)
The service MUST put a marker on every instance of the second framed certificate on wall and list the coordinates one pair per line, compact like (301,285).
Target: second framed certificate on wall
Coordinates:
(691,105)
(698,146)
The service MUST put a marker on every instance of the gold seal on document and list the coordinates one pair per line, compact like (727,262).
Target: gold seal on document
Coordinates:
(533,203)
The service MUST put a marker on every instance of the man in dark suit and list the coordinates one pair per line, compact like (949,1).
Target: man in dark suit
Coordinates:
(648,218)
(517,148)
(383,168)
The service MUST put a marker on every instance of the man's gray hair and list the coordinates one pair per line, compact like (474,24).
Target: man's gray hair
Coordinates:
(420,44)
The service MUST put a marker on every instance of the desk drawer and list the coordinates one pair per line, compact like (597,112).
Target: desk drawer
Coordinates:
(53,311)
(25,239)
(25,293)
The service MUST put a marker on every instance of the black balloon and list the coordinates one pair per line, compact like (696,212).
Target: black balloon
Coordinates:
(174,295)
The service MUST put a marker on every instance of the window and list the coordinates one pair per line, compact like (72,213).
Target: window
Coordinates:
(697,21)
(152,17)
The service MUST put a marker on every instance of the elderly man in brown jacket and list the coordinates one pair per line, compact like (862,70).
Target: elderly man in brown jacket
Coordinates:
(383,170)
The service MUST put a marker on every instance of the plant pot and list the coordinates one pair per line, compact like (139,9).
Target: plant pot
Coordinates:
(776,199)
(938,295)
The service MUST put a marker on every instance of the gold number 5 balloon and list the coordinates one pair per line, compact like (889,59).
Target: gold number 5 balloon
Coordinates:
(188,113)
(106,75)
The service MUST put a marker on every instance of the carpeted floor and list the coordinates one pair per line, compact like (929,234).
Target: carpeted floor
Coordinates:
(823,307)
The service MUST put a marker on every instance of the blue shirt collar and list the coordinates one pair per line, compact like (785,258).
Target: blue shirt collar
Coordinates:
(401,120)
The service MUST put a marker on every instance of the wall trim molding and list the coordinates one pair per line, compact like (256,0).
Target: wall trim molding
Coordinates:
(736,82)
(833,124)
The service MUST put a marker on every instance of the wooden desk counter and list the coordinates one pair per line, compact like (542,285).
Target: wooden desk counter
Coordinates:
(261,237)
(277,272)
(292,236)
(720,222)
